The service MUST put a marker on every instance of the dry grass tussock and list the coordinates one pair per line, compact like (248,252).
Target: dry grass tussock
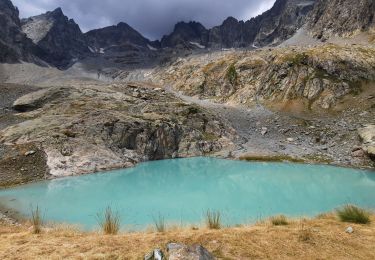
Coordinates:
(109,221)
(320,238)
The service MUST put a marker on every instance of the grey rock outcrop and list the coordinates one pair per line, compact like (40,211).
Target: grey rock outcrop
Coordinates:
(60,39)
(341,18)
(316,77)
(92,128)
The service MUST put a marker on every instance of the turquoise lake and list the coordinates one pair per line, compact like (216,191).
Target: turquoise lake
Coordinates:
(182,190)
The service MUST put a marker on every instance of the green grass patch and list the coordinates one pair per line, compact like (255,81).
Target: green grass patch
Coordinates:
(353,214)
(232,75)
(318,158)
(213,219)
(296,59)
(280,220)
(271,158)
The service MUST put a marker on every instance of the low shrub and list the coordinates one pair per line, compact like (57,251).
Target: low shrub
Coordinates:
(232,75)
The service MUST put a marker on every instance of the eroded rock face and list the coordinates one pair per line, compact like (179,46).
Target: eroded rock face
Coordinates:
(92,128)
(318,76)
(341,18)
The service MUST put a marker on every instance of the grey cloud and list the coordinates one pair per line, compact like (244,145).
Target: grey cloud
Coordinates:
(153,18)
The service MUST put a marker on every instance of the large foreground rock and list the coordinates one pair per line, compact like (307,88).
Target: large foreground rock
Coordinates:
(91,128)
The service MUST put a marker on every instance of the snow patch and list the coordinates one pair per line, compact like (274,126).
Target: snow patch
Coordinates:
(198,45)
(151,48)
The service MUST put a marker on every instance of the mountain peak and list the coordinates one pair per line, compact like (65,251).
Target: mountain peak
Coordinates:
(124,25)
(185,33)
(230,20)
(58,12)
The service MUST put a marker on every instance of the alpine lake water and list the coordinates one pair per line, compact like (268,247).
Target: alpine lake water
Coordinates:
(182,190)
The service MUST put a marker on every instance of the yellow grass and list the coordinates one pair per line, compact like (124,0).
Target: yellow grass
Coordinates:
(320,238)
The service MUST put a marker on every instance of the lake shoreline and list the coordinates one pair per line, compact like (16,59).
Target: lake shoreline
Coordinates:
(322,237)
(266,158)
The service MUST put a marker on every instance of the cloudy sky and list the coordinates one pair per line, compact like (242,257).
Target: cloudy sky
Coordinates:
(153,18)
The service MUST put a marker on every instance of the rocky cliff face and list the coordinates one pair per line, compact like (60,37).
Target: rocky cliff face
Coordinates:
(92,128)
(341,18)
(281,21)
(271,27)
(14,45)
(231,33)
(317,77)
(59,38)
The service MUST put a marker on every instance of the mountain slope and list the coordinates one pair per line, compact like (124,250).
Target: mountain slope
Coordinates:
(60,38)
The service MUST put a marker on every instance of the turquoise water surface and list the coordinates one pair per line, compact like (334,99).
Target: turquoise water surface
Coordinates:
(181,190)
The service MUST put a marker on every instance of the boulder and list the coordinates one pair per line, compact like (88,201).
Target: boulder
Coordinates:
(349,230)
(367,135)
(156,254)
(183,252)
(37,99)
